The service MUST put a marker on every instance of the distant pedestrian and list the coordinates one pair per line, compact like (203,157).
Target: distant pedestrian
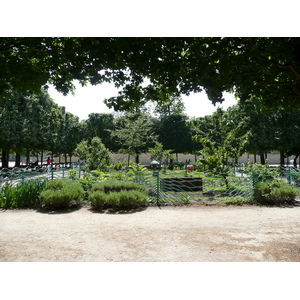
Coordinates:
(49,163)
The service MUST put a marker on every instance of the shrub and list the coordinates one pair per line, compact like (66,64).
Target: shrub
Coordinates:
(238,200)
(117,194)
(116,186)
(61,193)
(98,199)
(275,193)
(88,179)
(24,194)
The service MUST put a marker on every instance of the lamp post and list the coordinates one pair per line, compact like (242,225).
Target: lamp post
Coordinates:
(155,166)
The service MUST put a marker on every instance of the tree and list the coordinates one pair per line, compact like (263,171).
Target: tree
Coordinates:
(158,153)
(94,153)
(174,106)
(69,134)
(268,130)
(29,121)
(268,68)
(101,125)
(222,146)
(174,133)
(134,133)
(260,126)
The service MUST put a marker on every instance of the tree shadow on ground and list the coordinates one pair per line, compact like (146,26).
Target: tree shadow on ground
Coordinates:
(57,211)
(118,211)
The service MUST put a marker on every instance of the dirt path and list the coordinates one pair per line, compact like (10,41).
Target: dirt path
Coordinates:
(170,234)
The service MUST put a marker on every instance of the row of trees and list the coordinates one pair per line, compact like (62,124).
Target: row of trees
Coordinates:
(33,123)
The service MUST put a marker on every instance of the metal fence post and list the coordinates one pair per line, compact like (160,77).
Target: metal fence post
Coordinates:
(157,188)
(253,181)
(289,175)
(22,176)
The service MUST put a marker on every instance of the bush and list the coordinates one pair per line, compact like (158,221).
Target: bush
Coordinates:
(61,193)
(117,194)
(275,193)
(116,186)
(24,194)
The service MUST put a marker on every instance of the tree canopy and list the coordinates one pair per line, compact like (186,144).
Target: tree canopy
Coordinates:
(268,68)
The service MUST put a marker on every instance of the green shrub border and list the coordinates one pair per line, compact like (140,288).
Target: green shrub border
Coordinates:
(118,194)
(61,193)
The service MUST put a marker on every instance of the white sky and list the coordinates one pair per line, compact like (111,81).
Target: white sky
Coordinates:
(89,99)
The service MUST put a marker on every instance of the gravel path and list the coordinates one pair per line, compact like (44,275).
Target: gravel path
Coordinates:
(169,234)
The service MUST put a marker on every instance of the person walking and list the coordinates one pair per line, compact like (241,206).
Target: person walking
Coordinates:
(49,163)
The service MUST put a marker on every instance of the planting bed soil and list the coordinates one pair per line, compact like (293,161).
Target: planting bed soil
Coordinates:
(195,233)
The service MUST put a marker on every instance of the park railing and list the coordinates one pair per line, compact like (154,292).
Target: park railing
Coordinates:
(168,187)
(15,176)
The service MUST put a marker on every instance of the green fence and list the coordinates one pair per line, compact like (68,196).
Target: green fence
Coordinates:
(166,187)
(182,188)
(16,176)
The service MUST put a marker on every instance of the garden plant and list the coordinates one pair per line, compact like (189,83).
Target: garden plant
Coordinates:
(61,193)
(117,194)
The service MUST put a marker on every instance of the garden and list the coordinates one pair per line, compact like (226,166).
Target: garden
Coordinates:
(137,186)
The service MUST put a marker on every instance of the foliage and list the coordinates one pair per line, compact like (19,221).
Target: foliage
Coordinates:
(134,134)
(222,143)
(119,165)
(117,194)
(238,200)
(114,185)
(28,121)
(69,134)
(174,106)
(100,125)
(275,192)
(25,194)
(94,153)
(159,154)
(89,178)
(268,129)
(260,172)
(61,193)
(174,133)
(261,66)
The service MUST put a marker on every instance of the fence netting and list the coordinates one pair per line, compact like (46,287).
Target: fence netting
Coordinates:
(170,187)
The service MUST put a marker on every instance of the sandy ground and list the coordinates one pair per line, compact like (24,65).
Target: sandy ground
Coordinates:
(169,234)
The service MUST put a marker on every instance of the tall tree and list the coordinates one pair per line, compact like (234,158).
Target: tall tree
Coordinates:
(134,133)
(29,121)
(101,125)
(174,133)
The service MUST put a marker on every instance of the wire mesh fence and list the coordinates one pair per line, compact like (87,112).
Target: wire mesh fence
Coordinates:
(169,187)
(17,176)
(181,188)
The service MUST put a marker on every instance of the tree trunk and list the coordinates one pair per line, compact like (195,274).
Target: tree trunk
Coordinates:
(42,154)
(27,156)
(295,161)
(282,157)
(4,158)
(137,159)
(18,160)
(262,159)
